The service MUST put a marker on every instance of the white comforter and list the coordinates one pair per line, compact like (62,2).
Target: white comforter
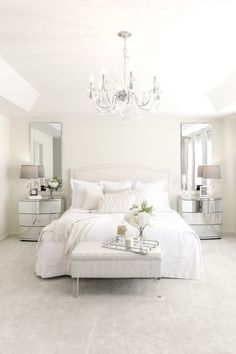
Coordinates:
(180,245)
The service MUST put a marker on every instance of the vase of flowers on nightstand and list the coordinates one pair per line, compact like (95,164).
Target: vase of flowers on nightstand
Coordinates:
(53,184)
(140,217)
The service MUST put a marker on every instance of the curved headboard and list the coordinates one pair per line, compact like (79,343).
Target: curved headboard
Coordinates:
(118,172)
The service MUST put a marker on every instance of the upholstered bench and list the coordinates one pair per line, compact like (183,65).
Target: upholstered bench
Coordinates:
(91,260)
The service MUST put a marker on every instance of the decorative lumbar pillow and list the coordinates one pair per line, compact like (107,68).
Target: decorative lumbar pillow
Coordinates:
(154,193)
(115,203)
(79,196)
(109,187)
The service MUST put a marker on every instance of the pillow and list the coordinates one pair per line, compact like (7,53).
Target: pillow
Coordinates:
(114,186)
(153,193)
(117,191)
(78,192)
(92,194)
(115,203)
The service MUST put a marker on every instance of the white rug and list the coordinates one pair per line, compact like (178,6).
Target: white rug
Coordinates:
(118,316)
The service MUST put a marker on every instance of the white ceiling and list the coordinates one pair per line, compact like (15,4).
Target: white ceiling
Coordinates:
(55,45)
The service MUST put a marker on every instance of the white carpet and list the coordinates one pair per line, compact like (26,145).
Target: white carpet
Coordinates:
(118,316)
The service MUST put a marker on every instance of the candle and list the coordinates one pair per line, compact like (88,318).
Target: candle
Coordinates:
(184,179)
(128,242)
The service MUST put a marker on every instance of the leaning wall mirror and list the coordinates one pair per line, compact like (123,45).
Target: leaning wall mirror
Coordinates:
(46,147)
(196,149)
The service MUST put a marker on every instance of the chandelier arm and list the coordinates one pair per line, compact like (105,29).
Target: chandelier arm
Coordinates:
(102,109)
(144,107)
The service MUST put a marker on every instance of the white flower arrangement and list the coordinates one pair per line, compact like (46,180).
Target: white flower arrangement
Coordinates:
(140,216)
(53,184)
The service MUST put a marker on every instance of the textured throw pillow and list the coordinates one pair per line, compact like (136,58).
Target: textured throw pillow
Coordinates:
(109,187)
(153,193)
(78,192)
(115,203)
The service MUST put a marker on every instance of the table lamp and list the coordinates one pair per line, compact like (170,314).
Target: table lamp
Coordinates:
(209,172)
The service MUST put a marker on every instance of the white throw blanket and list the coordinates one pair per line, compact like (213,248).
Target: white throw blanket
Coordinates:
(78,229)
(71,232)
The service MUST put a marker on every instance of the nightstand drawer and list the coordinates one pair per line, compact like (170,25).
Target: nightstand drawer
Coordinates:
(189,206)
(41,207)
(207,231)
(212,206)
(30,233)
(52,206)
(36,219)
(202,218)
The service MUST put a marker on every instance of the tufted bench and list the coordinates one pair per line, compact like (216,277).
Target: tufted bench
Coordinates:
(91,260)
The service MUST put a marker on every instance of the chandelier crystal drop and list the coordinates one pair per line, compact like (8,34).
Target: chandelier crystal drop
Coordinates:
(125,101)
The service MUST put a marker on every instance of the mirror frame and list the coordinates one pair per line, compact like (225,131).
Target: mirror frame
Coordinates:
(181,147)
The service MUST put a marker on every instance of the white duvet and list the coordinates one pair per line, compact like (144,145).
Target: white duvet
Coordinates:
(180,245)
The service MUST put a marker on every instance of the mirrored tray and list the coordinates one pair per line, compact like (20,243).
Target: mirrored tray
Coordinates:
(143,248)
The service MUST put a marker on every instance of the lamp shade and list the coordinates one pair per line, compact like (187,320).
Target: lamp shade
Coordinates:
(41,171)
(29,171)
(209,171)
(200,170)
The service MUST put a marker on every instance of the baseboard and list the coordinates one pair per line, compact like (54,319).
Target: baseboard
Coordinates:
(228,233)
(3,237)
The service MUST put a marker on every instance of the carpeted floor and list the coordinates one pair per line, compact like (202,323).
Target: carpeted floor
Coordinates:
(39,316)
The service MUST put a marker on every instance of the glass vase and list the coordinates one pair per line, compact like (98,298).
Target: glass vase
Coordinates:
(51,193)
(141,236)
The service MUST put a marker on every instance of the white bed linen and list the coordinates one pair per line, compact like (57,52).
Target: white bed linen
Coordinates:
(180,245)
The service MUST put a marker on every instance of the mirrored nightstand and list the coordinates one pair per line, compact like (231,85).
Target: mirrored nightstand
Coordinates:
(34,215)
(204,215)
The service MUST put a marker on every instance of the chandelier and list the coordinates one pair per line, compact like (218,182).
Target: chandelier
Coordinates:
(124,101)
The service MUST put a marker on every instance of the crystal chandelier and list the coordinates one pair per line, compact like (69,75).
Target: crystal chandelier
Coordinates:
(125,101)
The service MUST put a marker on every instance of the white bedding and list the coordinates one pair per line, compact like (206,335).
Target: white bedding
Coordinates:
(180,245)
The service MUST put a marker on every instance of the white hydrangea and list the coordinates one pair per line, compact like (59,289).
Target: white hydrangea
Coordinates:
(137,219)
(54,184)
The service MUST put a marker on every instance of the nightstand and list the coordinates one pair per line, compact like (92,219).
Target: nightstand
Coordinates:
(204,215)
(34,215)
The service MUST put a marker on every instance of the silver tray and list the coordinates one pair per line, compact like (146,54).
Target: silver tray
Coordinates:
(142,248)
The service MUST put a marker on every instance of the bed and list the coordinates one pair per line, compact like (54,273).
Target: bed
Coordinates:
(180,245)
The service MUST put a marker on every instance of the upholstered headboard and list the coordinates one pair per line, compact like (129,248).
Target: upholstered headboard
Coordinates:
(119,173)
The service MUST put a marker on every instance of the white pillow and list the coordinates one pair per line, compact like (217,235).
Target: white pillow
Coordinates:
(108,186)
(92,194)
(78,192)
(153,193)
(115,203)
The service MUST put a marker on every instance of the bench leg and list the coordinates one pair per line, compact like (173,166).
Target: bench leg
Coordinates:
(77,287)
(157,281)
(75,284)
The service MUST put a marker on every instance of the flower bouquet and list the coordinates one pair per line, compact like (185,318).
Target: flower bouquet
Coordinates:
(53,184)
(140,217)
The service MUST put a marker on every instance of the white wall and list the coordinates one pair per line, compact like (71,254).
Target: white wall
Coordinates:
(4,176)
(228,153)
(92,140)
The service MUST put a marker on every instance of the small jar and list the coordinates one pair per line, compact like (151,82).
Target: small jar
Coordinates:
(121,230)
